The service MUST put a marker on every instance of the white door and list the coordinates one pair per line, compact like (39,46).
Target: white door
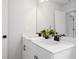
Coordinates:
(4,28)
(60,22)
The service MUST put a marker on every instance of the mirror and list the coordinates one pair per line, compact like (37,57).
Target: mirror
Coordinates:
(45,17)
(50,14)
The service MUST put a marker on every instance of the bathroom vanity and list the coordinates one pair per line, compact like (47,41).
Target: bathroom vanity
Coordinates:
(39,48)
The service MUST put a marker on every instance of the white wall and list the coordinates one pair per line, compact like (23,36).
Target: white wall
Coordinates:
(22,18)
(45,15)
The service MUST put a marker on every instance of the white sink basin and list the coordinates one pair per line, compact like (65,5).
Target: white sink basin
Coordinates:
(45,41)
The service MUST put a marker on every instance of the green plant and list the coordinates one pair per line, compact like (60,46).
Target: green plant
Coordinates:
(48,32)
(52,32)
(45,33)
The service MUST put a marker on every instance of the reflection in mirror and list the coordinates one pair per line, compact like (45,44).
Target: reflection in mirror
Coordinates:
(71,23)
(45,14)
(52,14)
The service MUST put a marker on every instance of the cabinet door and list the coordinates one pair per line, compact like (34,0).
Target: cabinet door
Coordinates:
(29,55)
(26,52)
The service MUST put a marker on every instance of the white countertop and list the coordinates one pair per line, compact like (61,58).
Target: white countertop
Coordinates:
(50,44)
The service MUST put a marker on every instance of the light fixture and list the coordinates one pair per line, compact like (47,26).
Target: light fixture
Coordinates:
(43,0)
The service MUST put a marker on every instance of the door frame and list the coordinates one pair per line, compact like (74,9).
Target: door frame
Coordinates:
(5,18)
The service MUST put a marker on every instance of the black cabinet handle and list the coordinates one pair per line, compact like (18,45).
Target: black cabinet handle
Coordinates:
(35,57)
(4,36)
(24,47)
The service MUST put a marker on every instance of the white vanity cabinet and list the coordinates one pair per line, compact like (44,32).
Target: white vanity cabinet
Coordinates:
(33,51)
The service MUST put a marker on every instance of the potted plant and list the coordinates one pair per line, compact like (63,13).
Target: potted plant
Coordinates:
(45,33)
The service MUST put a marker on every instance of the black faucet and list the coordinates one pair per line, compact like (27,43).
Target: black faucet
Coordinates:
(57,37)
